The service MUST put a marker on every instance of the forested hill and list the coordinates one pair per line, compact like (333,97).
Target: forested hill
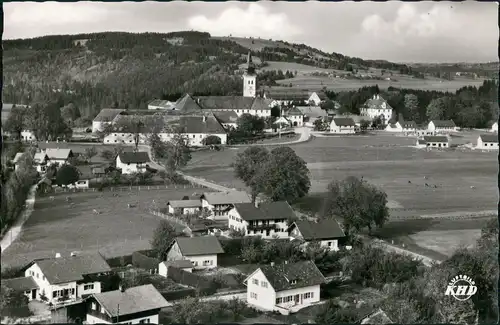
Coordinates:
(128,70)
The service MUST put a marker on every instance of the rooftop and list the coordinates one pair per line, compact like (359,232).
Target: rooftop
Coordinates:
(265,211)
(203,245)
(489,138)
(56,153)
(108,114)
(20,284)
(230,197)
(293,275)
(184,203)
(134,157)
(444,123)
(435,138)
(324,229)
(344,121)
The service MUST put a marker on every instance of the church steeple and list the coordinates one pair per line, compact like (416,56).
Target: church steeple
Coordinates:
(250,65)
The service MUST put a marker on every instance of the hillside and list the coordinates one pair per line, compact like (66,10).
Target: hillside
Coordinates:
(126,70)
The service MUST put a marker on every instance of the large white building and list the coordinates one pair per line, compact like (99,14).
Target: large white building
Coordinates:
(285,288)
(201,251)
(105,117)
(376,107)
(442,126)
(268,220)
(487,142)
(136,305)
(219,203)
(342,125)
(66,278)
(403,127)
(132,162)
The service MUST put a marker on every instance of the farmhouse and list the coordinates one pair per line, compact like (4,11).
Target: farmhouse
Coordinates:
(377,107)
(132,162)
(25,285)
(295,116)
(67,278)
(436,141)
(487,142)
(57,156)
(183,206)
(136,305)
(285,288)
(184,265)
(405,126)
(494,127)
(442,126)
(326,232)
(312,113)
(227,119)
(201,251)
(342,125)
(219,202)
(197,128)
(105,117)
(267,220)
(159,104)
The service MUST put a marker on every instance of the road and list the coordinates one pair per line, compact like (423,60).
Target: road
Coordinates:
(305,135)
(391,248)
(14,231)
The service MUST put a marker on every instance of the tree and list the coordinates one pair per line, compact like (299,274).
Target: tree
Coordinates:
(211,140)
(364,124)
(327,105)
(163,236)
(285,176)
(320,125)
(178,153)
(248,164)
(15,122)
(70,113)
(332,313)
(159,148)
(357,202)
(275,111)
(66,175)
(108,154)
(45,120)
(250,125)
(436,109)
(11,300)
(411,106)
(90,153)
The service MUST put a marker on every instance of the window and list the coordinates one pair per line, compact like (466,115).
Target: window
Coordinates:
(263,284)
(253,295)
(329,244)
(55,294)
(94,306)
(293,281)
(255,281)
(307,295)
(88,287)
(279,301)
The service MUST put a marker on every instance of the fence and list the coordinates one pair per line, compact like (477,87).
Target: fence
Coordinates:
(203,285)
(127,188)
(170,218)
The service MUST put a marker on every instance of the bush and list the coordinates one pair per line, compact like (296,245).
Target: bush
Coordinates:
(203,285)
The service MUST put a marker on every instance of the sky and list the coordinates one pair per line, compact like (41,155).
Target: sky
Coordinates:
(394,31)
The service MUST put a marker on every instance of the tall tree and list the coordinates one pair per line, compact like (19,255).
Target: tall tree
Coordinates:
(90,153)
(15,122)
(163,236)
(358,203)
(411,107)
(248,164)
(437,108)
(67,175)
(178,153)
(285,176)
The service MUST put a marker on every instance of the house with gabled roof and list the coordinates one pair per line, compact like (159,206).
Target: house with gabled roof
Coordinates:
(159,104)
(59,156)
(238,104)
(295,116)
(136,305)
(284,287)
(132,162)
(201,251)
(218,203)
(267,219)
(487,142)
(442,126)
(433,142)
(228,119)
(326,232)
(402,126)
(26,285)
(105,117)
(376,107)
(342,125)
(183,206)
(67,278)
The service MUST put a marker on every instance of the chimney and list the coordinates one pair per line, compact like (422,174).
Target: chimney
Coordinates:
(73,254)
(272,263)
(58,255)
(121,288)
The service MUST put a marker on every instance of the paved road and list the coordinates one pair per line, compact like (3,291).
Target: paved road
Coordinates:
(14,231)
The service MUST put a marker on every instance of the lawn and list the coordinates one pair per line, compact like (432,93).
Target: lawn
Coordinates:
(58,227)
(390,162)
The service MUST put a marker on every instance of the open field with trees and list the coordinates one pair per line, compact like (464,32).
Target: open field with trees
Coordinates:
(58,226)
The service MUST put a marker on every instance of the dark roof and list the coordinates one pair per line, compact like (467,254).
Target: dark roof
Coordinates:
(205,245)
(265,211)
(293,112)
(324,229)
(184,203)
(225,102)
(187,104)
(435,138)
(312,111)
(132,300)
(376,102)
(20,284)
(260,104)
(182,264)
(444,123)
(489,138)
(226,117)
(71,268)
(134,157)
(344,121)
(200,124)
(280,276)
(108,114)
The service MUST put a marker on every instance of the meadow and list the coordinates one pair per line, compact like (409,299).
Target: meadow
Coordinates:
(56,226)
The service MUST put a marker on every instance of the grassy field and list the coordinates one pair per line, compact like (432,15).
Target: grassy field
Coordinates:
(303,80)
(57,227)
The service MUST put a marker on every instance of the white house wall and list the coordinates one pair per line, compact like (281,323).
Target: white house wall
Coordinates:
(153,319)
(129,168)
(486,145)
(175,254)
(236,222)
(266,297)
(334,128)
(315,290)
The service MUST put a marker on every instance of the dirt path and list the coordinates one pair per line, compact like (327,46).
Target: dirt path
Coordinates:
(14,231)
(391,248)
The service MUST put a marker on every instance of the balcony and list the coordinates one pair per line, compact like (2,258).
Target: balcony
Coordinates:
(262,227)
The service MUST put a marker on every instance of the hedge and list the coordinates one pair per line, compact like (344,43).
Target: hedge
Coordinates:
(179,294)
(204,286)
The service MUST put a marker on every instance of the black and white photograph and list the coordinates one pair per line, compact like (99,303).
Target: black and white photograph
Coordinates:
(177,162)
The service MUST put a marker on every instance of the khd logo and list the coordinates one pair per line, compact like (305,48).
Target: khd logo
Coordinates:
(461,288)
